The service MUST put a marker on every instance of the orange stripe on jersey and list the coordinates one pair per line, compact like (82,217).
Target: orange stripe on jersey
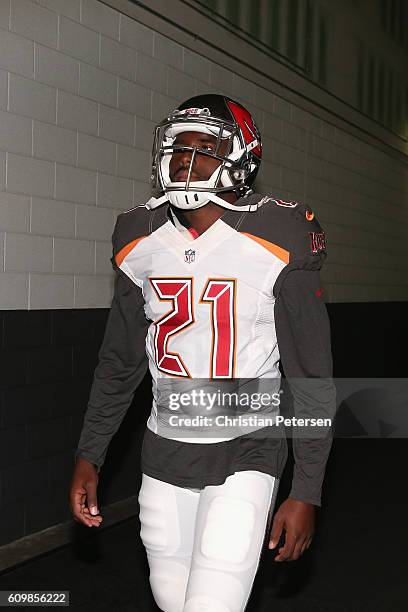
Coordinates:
(119,257)
(269,246)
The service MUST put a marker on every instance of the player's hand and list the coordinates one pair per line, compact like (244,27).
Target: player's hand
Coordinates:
(297,519)
(82,495)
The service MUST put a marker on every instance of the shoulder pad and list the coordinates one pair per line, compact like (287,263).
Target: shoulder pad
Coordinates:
(130,225)
(306,237)
(134,224)
(292,226)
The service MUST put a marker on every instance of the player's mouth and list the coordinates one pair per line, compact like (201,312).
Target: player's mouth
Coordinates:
(182,175)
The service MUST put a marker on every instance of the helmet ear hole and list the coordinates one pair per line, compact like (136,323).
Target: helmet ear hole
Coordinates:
(240,175)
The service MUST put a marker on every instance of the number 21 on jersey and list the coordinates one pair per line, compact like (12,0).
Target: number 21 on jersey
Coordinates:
(219,294)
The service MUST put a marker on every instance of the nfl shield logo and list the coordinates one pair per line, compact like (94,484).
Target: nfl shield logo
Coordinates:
(189,255)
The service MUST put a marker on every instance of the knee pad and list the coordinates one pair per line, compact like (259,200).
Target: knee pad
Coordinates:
(205,604)
(228,532)
(168,583)
(214,590)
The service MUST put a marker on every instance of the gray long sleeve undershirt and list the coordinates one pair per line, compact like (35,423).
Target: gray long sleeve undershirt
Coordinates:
(303,332)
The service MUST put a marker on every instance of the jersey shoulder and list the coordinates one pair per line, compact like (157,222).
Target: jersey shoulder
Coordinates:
(129,226)
(133,225)
(293,226)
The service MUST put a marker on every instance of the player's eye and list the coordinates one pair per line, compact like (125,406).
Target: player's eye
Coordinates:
(207,147)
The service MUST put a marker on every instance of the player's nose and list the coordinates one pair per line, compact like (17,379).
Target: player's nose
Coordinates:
(185,158)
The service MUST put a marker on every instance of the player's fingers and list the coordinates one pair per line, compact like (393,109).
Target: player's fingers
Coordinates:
(76,501)
(306,543)
(91,522)
(80,512)
(77,509)
(299,547)
(276,532)
(91,497)
(304,546)
(96,520)
(85,518)
(286,552)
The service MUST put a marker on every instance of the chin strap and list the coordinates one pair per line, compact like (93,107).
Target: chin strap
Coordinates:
(212,197)
(155,202)
(246,207)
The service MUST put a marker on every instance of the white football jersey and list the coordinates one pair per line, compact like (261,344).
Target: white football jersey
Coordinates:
(218,325)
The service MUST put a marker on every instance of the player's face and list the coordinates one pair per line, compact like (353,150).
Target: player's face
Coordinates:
(203,165)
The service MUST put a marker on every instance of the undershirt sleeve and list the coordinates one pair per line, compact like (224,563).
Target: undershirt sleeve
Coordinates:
(303,333)
(122,364)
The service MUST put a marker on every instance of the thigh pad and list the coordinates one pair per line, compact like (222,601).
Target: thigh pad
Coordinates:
(228,530)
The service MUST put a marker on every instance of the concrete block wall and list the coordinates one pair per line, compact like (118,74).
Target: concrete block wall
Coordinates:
(75,143)
(81,88)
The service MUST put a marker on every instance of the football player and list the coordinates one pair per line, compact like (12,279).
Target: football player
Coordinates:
(213,283)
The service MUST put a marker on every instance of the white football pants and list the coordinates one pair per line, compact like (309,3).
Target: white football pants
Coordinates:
(203,546)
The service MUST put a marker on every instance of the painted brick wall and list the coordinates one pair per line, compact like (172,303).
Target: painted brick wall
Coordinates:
(81,87)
